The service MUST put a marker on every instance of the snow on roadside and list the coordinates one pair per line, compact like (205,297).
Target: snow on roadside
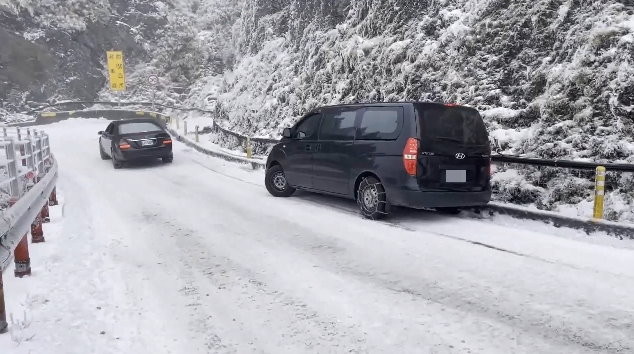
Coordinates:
(78,299)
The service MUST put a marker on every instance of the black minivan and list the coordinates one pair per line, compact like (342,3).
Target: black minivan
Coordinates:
(411,154)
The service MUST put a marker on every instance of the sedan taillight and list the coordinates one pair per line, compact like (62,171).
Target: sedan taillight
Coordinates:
(124,145)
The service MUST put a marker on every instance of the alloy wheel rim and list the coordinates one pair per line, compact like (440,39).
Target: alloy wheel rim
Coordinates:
(279,181)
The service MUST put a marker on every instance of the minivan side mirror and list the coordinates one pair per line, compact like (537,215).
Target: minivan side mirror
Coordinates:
(286,133)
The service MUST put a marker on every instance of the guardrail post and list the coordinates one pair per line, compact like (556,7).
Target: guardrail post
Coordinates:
(185,127)
(197,139)
(46,217)
(4,130)
(37,232)
(178,123)
(22,260)
(249,148)
(52,201)
(3,313)
(599,193)
(19,134)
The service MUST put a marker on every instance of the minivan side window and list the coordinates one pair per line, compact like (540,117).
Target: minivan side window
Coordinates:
(338,125)
(307,129)
(380,123)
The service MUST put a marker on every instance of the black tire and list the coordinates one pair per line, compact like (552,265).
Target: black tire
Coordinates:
(276,183)
(116,163)
(103,155)
(372,199)
(449,211)
(168,159)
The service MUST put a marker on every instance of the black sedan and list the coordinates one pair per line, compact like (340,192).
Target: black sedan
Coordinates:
(135,139)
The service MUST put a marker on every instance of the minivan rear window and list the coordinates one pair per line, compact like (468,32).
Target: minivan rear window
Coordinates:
(457,125)
(380,123)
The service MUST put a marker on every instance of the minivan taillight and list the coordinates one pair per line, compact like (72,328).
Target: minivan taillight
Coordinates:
(410,156)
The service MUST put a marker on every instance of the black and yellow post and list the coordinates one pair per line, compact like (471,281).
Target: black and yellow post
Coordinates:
(599,193)
(249,148)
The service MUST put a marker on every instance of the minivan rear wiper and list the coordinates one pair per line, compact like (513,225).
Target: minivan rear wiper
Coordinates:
(448,138)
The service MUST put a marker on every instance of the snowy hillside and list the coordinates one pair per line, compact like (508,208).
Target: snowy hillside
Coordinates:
(558,74)
(553,78)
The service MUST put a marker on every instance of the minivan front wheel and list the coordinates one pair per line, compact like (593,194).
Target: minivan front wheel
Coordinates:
(276,183)
(372,199)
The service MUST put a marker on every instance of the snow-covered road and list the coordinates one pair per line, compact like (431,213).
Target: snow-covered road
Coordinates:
(196,257)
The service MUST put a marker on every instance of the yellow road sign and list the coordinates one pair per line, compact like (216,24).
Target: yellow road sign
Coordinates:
(116,70)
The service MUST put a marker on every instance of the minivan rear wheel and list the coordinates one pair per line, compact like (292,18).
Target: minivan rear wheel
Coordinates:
(372,199)
(276,183)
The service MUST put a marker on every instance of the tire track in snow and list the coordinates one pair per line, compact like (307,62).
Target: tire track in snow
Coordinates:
(540,325)
(303,327)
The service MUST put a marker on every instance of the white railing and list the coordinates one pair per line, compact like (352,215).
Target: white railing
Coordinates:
(25,154)
(28,174)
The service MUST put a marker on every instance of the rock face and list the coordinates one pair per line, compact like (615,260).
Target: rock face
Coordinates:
(57,49)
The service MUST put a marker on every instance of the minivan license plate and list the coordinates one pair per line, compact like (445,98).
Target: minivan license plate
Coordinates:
(456,176)
(147,142)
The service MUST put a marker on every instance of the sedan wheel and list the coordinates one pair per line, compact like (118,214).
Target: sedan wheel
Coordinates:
(103,155)
(116,163)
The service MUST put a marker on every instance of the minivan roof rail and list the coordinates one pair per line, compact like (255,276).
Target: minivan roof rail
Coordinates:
(390,103)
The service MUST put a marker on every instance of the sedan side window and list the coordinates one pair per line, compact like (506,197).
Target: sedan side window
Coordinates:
(307,129)
(110,129)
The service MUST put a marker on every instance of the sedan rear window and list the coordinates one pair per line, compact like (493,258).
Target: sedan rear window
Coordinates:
(138,127)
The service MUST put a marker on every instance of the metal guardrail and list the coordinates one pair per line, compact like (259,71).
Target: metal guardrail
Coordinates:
(28,187)
(579,165)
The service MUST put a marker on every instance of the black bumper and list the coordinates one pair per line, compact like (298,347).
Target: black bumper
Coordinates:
(140,154)
(438,199)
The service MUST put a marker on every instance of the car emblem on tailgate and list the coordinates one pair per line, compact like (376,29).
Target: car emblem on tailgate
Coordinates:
(460,156)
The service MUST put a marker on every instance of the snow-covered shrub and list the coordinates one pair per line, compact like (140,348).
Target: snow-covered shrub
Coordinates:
(511,186)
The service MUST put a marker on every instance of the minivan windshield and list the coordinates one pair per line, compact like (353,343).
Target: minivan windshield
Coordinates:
(453,125)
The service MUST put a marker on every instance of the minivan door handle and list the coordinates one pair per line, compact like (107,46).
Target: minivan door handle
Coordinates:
(307,147)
